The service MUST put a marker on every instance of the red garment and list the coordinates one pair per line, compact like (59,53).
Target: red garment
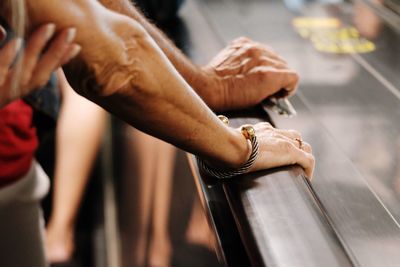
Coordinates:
(18,141)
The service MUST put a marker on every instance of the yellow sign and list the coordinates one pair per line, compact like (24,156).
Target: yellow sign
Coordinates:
(316,22)
(328,35)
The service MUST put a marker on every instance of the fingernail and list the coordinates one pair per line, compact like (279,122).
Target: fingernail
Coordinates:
(71,34)
(18,44)
(50,30)
(3,34)
(75,51)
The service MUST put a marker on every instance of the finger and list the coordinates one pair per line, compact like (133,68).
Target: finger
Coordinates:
(277,78)
(273,62)
(53,57)
(286,152)
(249,63)
(236,55)
(307,161)
(33,49)
(272,53)
(7,57)
(307,147)
(240,40)
(298,143)
(3,33)
(258,50)
(292,134)
(256,47)
(296,155)
(262,126)
(222,57)
(72,52)
(295,138)
(244,56)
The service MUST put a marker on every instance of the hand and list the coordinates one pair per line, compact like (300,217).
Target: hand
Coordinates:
(39,59)
(280,148)
(245,73)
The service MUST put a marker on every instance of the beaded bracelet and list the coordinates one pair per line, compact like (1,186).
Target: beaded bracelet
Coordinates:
(249,133)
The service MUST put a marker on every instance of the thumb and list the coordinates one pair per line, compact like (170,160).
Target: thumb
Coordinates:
(3,34)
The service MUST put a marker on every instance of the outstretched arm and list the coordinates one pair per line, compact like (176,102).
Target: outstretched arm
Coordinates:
(121,68)
(241,75)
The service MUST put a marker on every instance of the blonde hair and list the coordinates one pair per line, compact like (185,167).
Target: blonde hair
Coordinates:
(18,16)
(14,11)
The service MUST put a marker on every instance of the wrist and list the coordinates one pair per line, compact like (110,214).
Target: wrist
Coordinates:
(235,154)
(209,87)
(226,172)
(243,148)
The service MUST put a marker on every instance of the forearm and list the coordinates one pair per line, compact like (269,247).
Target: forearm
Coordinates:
(192,73)
(125,72)
(79,132)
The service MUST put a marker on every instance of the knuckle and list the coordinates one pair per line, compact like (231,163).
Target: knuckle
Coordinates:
(262,125)
(267,127)
(243,39)
(266,124)
(295,133)
(312,163)
(311,160)
(265,60)
(251,50)
(281,65)
(25,79)
(286,145)
(3,33)
(267,48)
(275,135)
(255,50)
(308,147)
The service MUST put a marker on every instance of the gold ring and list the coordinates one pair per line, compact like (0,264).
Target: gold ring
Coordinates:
(224,119)
(301,143)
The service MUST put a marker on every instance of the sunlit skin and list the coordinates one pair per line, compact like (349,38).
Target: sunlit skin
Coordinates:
(241,75)
(122,68)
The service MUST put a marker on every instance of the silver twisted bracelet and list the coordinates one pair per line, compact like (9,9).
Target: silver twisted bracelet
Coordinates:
(249,133)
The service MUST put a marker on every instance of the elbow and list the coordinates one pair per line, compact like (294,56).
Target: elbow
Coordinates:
(122,60)
(119,62)
(138,66)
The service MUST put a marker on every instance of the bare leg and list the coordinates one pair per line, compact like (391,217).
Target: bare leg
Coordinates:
(198,231)
(145,148)
(160,243)
(79,133)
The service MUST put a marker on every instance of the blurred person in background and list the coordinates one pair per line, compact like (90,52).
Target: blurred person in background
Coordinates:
(22,181)
(155,175)
(80,129)
(19,142)
(155,163)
